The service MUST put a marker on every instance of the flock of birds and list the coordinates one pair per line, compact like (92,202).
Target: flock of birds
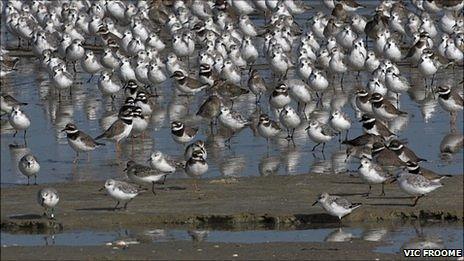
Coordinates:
(214,48)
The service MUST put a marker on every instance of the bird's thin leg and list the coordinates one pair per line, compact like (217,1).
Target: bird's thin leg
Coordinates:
(346,135)
(416,199)
(341,81)
(323,146)
(383,190)
(433,78)
(35,179)
(16,132)
(315,146)
(88,156)
(28,180)
(25,131)
(116,207)
(153,188)
(90,79)
(125,205)
(293,132)
(76,159)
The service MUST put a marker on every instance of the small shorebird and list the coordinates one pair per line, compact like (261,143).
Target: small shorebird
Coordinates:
(256,84)
(48,198)
(290,119)
(319,133)
(182,134)
(232,120)
(186,84)
(29,166)
(142,174)
(403,152)
(120,129)
(335,205)
(196,166)
(373,173)
(79,141)
(416,185)
(414,168)
(121,191)
(383,108)
(161,162)
(340,121)
(19,120)
(268,128)
(198,145)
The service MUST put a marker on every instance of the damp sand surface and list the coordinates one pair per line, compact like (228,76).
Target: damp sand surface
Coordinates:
(230,201)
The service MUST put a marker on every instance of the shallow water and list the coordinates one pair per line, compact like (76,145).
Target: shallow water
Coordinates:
(425,128)
(392,238)
(248,155)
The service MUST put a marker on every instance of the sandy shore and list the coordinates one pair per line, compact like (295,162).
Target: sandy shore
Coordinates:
(266,200)
(183,250)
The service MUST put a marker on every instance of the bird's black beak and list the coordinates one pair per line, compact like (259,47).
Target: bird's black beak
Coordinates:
(307,128)
(315,203)
(102,188)
(63,130)
(359,166)
(125,169)
(393,180)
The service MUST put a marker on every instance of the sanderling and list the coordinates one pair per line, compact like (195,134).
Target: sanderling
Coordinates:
(290,119)
(142,174)
(319,133)
(416,185)
(340,121)
(121,191)
(48,198)
(29,166)
(79,141)
(19,120)
(372,173)
(232,120)
(336,206)
(162,162)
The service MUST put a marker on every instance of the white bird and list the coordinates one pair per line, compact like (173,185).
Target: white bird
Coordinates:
(416,185)
(121,191)
(48,198)
(335,205)
(19,120)
(29,166)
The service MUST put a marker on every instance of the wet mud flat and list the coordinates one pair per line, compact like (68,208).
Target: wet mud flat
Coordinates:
(249,203)
(184,250)
(230,202)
